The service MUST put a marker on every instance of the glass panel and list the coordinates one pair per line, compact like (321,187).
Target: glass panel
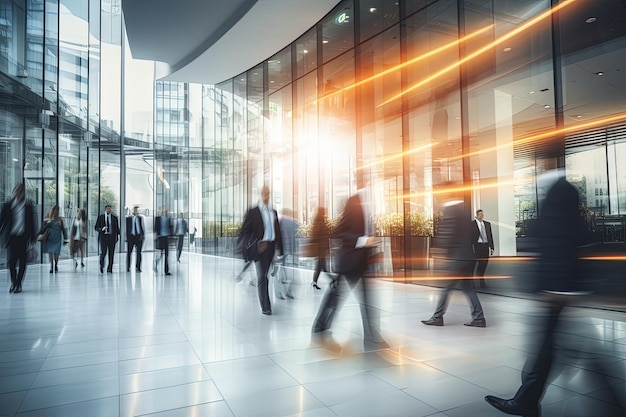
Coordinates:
(306,53)
(377,15)
(111,31)
(34,46)
(255,85)
(593,44)
(510,100)
(279,70)
(51,54)
(94,64)
(281,150)
(434,111)
(338,31)
(73,59)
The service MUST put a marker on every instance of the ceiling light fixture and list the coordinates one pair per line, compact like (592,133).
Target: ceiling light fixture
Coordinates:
(590,20)
(324,41)
(507,49)
(547,106)
(372,9)
(600,73)
(305,51)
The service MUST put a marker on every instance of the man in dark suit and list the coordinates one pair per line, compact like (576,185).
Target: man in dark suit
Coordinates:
(350,263)
(260,227)
(558,280)
(163,230)
(482,242)
(17,222)
(108,227)
(453,240)
(135,232)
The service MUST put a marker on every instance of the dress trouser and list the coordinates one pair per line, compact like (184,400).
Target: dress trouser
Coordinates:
(481,251)
(466,285)
(262,268)
(164,245)
(134,241)
(335,296)
(179,246)
(18,247)
(107,245)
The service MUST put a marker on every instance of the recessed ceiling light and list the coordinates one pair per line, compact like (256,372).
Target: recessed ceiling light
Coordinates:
(547,106)
(578,116)
(600,73)
(372,9)
(243,79)
(507,49)
(324,41)
(591,20)
(531,92)
(305,51)
(272,82)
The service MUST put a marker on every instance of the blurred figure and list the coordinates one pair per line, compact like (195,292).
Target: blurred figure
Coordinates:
(320,234)
(354,231)
(181,230)
(192,238)
(453,239)
(17,223)
(109,228)
(557,281)
(163,230)
(56,237)
(261,232)
(78,235)
(135,234)
(482,241)
(283,279)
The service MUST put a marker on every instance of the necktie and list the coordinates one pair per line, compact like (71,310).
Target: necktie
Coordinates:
(135,225)
(108,225)
(483,235)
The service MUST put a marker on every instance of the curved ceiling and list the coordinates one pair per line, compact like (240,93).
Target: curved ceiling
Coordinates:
(210,41)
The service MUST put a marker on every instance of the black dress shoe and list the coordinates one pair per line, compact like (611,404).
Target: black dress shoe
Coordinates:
(101,270)
(512,407)
(127,269)
(168,273)
(138,269)
(314,285)
(290,296)
(433,321)
(18,289)
(12,288)
(476,323)
(268,312)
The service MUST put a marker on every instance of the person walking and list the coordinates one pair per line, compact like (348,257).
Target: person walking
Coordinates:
(17,224)
(482,243)
(453,240)
(163,230)
(135,233)
(283,278)
(109,228)
(54,229)
(78,235)
(261,234)
(354,231)
(320,235)
(558,282)
(181,230)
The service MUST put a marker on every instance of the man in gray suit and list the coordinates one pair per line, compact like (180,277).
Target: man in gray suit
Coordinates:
(482,242)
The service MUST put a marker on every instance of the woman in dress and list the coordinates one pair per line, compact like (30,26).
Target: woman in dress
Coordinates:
(78,234)
(56,237)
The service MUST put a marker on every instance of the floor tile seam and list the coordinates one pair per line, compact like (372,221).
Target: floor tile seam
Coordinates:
(182,408)
(63,405)
(126,394)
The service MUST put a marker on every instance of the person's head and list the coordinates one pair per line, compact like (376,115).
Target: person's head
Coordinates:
(479,215)
(19,192)
(135,210)
(79,214)
(265,195)
(54,212)
(107,209)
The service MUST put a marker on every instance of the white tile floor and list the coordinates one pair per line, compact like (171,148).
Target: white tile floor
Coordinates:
(195,344)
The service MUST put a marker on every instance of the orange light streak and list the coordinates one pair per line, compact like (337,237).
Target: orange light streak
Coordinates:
(482,50)
(428,54)
(459,189)
(550,134)
(398,155)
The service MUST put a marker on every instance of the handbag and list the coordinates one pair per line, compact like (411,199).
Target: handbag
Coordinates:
(32,255)
(43,237)
(349,261)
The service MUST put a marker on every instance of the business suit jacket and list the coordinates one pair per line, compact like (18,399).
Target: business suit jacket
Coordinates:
(6,222)
(253,228)
(475,230)
(348,259)
(129,226)
(115,225)
(453,235)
